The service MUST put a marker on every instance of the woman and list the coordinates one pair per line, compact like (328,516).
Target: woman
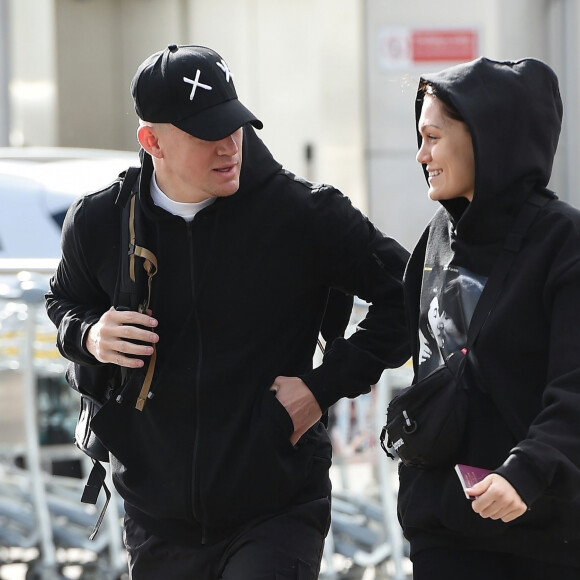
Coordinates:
(488,133)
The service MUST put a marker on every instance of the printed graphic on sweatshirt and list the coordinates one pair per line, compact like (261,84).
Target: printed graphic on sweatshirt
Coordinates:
(448,298)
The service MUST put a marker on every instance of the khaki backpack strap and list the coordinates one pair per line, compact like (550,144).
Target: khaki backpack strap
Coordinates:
(150,266)
(144,394)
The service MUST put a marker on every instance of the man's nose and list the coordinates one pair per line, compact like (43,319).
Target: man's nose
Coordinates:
(227,145)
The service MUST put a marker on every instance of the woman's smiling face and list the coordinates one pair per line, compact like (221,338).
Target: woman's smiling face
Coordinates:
(446,151)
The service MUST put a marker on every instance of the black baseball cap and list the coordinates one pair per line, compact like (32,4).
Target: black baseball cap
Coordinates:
(192,88)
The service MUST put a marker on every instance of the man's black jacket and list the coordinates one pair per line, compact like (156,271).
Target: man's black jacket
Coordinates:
(239,295)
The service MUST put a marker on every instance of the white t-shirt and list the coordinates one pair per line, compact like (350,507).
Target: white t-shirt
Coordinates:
(182,209)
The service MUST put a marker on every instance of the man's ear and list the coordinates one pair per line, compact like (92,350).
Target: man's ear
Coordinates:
(148,140)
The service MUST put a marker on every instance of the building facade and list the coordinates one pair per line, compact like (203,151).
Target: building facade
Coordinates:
(332,80)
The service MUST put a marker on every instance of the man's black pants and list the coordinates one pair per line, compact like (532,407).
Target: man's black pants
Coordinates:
(287,546)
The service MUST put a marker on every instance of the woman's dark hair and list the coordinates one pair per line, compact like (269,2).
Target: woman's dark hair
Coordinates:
(427,88)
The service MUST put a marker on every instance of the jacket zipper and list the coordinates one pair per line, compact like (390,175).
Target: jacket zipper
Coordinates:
(196,499)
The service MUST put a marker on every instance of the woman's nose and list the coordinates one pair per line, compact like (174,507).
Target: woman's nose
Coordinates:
(423,154)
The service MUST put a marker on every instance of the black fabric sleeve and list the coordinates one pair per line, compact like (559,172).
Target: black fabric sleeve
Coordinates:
(360,261)
(76,298)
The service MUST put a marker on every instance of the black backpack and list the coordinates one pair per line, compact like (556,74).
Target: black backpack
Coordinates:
(96,383)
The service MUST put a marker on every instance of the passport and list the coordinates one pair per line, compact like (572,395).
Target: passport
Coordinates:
(469,476)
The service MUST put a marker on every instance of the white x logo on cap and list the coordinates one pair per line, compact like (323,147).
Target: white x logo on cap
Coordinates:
(196,84)
(226,70)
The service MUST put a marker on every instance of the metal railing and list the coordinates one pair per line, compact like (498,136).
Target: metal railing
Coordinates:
(41,513)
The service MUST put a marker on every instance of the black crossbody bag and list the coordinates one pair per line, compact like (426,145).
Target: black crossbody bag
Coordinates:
(426,421)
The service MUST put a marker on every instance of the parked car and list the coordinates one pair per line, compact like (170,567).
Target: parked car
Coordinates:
(37,185)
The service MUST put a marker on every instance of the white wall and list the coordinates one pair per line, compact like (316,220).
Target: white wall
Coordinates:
(310,69)
(506,31)
(297,66)
(33,87)
(4,74)
(100,43)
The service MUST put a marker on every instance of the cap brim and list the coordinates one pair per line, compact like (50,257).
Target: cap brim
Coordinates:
(218,122)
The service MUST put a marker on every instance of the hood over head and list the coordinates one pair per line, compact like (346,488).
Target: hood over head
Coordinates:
(258,164)
(513,111)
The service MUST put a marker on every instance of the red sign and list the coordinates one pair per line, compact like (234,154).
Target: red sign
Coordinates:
(443,45)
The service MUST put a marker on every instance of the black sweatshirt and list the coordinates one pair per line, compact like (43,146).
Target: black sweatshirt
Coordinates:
(524,420)
(240,295)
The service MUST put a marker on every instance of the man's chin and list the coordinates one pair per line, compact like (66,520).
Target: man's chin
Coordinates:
(227,191)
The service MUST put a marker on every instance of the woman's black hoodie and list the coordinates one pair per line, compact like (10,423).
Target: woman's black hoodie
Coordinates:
(524,420)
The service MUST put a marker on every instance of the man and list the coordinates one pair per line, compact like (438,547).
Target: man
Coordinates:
(222,458)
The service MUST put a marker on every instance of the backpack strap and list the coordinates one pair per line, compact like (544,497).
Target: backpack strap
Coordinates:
(131,235)
(512,245)
(126,294)
(135,249)
(95,482)
(126,291)
(128,283)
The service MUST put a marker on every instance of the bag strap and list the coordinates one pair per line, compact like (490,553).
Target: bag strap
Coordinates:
(95,482)
(131,238)
(131,235)
(126,292)
(503,264)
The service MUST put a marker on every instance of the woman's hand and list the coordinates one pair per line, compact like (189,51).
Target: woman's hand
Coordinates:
(496,498)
